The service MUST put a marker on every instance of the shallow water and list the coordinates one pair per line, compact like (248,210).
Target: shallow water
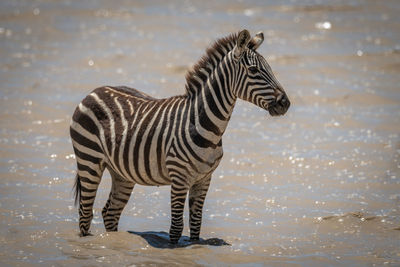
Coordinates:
(319,186)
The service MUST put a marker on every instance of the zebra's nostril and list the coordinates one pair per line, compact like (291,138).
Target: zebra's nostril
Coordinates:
(287,103)
(284,103)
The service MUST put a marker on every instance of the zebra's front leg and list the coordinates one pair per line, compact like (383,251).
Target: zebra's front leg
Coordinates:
(197,195)
(179,189)
(120,192)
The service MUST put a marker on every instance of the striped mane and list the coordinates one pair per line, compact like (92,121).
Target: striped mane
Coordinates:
(213,56)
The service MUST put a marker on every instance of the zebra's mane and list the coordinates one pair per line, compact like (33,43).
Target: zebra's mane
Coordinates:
(203,68)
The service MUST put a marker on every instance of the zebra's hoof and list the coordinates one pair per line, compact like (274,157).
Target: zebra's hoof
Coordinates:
(173,242)
(85,234)
(194,239)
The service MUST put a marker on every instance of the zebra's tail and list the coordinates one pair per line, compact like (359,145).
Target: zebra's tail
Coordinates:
(77,189)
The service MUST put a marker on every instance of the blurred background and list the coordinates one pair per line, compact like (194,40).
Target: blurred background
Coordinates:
(319,186)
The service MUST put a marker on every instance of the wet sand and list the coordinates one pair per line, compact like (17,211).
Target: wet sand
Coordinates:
(319,186)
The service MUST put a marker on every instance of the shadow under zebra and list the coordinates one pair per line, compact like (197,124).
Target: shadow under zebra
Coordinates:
(161,240)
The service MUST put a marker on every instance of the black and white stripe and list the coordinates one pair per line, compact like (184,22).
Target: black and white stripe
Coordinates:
(175,141)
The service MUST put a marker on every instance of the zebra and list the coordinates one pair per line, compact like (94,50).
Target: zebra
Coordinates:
(173,141)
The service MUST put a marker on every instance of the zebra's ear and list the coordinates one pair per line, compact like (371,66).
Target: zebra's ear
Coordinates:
(256,41)
(241,43)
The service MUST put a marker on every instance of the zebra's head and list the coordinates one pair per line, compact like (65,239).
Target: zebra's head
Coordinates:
(255,81)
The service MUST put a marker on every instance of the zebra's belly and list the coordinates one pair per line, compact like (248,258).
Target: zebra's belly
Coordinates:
(153,169)
(150,171)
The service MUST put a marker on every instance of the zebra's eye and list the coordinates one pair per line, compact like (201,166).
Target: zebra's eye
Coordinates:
(253,69)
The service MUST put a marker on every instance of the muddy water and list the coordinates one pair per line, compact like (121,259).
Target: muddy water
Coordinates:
(320,186)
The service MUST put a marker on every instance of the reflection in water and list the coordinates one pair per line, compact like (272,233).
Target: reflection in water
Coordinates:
(319,186)
(161,240)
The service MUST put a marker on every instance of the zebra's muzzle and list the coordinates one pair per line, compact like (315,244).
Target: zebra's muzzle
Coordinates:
(280,107)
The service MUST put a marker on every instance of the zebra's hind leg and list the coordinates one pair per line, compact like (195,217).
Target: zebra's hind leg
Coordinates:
(88,179)
(120,192)
(197,195)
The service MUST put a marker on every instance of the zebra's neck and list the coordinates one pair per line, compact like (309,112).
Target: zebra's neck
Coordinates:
(211,100)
